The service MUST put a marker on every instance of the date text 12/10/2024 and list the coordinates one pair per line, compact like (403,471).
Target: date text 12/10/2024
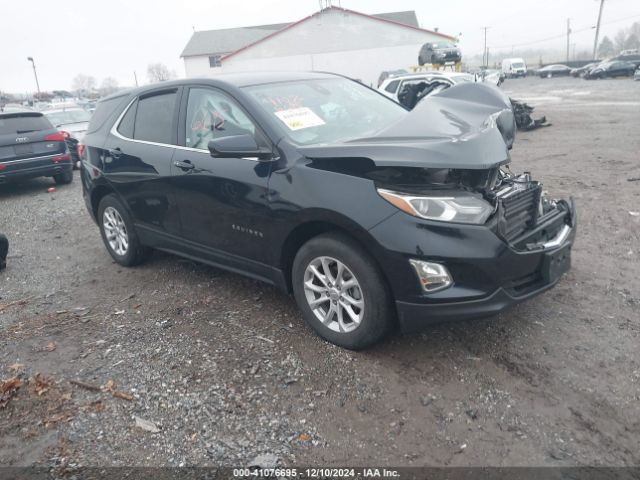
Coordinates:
(316,472)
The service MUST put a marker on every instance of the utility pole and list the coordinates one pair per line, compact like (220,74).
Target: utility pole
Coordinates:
(595,42)
(485,58)
(30,59)
(135,77)
(568,36)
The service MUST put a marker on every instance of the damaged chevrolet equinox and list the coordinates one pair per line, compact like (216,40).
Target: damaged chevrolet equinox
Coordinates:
(370,214)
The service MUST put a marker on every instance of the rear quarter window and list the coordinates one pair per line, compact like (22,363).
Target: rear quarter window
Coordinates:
(393,86)
(17,123)
(126,124)
(104,110)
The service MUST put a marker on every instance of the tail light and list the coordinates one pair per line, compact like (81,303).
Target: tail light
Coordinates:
(80,149)
(60,136)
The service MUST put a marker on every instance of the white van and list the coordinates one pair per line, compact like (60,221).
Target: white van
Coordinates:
(514,67)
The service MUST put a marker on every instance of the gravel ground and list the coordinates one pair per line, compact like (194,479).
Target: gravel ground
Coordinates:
(184,364)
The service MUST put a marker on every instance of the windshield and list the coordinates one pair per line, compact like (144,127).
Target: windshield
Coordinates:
(68,116)
(443,45)
(326,110)
(518,65)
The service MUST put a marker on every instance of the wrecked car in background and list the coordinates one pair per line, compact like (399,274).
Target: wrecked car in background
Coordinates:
(319,185)
(613,69)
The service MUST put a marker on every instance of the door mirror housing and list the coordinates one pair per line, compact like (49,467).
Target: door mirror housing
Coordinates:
(238,146)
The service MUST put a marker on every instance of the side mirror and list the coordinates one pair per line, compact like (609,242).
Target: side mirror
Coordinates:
(238,146)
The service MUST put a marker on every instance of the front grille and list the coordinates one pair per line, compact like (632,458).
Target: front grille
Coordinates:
(519,211)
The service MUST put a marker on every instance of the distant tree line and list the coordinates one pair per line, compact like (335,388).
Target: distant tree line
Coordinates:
(625,39)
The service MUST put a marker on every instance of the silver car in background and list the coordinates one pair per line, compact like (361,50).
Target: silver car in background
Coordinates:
(74,121)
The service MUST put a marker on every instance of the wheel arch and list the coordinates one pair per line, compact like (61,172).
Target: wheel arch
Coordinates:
(312,228)
(97,194)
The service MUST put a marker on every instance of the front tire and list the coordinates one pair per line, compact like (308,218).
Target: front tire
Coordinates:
(119,234)
(341,292)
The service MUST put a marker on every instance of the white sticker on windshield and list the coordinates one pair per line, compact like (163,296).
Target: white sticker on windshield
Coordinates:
(299,118)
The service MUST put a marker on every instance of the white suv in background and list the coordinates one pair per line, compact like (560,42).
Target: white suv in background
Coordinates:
(393,85)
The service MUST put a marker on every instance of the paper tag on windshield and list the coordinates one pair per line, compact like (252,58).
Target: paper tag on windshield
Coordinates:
(299,118)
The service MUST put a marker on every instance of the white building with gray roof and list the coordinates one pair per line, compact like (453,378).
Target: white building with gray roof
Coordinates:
(334,40)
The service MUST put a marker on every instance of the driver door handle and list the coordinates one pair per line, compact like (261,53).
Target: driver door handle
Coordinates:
(184,165)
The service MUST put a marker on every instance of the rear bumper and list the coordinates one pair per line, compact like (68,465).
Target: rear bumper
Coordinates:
(33,169)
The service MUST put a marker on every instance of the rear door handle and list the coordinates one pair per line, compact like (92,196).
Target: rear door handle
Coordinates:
(184,165)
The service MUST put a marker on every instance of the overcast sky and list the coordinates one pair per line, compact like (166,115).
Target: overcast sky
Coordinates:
(117,37)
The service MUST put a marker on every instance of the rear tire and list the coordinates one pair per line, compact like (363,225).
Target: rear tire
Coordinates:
(64,178)
(119,234)
(350,284)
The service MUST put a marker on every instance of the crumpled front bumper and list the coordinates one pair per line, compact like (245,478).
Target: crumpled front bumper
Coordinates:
(489,275)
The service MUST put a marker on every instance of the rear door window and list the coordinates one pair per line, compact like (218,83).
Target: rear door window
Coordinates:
(155,117)
(17,123)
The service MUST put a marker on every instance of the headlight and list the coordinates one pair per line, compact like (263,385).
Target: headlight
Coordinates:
(460,207)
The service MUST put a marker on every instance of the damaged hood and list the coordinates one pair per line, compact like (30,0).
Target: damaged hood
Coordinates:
(468,126)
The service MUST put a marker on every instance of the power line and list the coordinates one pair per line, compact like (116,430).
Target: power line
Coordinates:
(562,35)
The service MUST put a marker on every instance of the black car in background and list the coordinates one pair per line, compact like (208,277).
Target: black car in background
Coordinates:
(612,69)
(582,71)
(30,146)
(439,53)
(368,213)
(557,70)
(628,57)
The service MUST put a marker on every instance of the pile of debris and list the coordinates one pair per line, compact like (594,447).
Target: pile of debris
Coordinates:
(524,121)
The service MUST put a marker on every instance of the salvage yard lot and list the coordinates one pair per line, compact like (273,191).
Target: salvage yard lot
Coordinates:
(224,368)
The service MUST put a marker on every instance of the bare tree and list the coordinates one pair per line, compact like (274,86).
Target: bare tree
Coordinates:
(632,41)
(159,72)
(108,86)
(606,48)
(83,84)
(619,40)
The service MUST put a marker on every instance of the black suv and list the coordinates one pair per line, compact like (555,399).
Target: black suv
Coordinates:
(323,187)
(31,147)
(439,53)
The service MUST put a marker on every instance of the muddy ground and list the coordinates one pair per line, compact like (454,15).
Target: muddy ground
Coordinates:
(224,368)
